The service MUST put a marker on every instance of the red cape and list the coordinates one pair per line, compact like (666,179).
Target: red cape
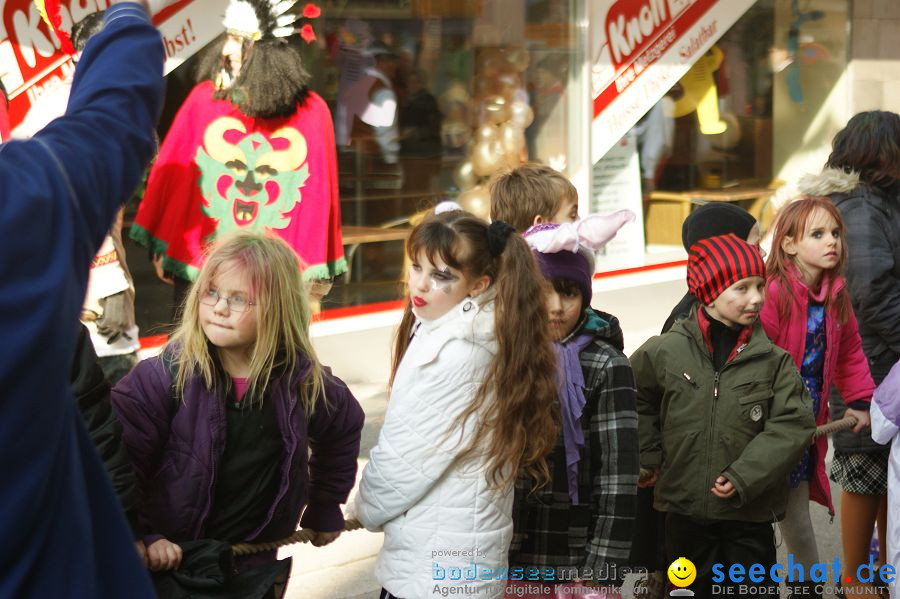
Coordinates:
(219,170)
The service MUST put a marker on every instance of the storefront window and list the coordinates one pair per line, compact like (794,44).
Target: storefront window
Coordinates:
(754,107)
(429,99)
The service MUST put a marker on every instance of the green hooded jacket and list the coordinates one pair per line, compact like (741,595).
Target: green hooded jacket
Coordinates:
(749,422)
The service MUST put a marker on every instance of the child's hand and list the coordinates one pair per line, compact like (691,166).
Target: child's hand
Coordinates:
(163,555)
(723,488)
(320,539)
(648,478)
(862,419)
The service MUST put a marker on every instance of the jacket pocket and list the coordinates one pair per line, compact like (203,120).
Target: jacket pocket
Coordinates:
(754,410)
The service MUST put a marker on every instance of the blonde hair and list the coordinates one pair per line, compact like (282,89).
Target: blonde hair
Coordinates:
(282,312)
(530,190)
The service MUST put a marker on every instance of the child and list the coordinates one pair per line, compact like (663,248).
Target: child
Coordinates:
(236,428)
(862,179)
(886,429)
(648,545)
(472,400)
(808,314)
(533,194)
(723,416)
(580,525)
(709,220)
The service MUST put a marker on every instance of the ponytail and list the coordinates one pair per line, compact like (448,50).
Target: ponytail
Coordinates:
(514,411)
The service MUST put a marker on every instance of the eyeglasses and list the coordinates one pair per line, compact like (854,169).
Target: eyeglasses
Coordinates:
(236,303)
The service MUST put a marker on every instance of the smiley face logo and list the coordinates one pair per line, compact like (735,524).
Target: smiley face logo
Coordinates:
(682,572)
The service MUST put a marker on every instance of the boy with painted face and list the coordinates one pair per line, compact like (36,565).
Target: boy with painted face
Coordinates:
(723,417)
(580,524)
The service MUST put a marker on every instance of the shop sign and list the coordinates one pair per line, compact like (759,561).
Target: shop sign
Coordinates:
(643,48)
(30,58)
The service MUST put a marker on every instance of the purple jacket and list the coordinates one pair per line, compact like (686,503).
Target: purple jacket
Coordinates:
(176,446)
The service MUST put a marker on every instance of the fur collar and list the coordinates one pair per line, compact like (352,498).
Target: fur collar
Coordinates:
(829,181)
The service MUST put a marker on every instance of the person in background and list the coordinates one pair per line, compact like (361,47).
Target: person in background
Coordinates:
(108,310)
(862,179)
(252,148)
(533,194)
(63,529)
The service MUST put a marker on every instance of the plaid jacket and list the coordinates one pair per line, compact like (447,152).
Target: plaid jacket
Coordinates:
(590,540)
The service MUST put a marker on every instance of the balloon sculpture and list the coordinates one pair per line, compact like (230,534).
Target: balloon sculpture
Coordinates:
(501,116)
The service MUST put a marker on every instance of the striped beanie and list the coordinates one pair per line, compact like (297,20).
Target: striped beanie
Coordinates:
(717,263)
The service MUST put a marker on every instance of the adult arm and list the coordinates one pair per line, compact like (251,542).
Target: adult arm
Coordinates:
(873,285)
(615,464)
(418,441)
(772,453)
(334,432)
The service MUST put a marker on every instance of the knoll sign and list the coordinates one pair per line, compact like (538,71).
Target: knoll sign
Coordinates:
(30,59)
(640,49)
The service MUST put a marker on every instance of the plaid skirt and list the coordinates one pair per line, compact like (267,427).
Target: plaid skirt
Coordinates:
(862,473)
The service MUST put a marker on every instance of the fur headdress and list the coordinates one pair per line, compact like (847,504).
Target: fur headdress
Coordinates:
(260,19)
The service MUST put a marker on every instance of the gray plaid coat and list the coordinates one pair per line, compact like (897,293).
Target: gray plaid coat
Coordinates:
(592,539)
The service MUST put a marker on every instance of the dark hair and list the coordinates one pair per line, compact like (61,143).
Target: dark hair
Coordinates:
(85,28)
(514,409)
(869,145)
(272,81)
(564,286)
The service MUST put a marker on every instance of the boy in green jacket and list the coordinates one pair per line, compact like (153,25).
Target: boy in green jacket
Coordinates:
(723,416)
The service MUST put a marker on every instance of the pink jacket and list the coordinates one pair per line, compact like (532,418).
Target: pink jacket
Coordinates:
(845,364)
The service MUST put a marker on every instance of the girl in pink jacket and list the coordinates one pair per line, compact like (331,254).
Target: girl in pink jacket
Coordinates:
(808,313)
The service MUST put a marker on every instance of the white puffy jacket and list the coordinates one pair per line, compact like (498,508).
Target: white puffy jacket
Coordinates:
(440,522)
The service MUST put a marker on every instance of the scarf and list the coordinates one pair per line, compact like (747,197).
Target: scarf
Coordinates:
(570,388)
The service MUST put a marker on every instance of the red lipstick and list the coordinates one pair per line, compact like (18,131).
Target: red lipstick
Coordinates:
(418,302)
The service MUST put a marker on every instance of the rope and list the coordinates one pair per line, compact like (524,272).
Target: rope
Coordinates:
(304,535)
(300,536)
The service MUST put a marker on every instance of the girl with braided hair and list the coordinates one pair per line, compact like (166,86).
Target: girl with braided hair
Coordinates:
(473,399)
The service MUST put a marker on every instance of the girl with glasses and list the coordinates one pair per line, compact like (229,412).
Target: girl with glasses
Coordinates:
(219,426)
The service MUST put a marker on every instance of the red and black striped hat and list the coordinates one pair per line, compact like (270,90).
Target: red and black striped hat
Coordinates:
(717,263)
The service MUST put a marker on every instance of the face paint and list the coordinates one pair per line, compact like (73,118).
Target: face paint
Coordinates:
(434,289)
(443,280)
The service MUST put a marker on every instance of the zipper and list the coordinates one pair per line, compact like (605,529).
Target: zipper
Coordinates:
(711,439)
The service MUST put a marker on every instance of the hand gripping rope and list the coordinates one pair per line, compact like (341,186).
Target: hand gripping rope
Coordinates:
(304,536)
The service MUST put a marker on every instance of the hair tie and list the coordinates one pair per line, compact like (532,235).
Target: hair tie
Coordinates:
(497,234)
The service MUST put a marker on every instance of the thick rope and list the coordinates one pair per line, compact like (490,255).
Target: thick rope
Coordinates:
(300,536)
(304,536)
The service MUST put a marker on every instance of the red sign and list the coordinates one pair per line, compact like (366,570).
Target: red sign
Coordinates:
(30,58)
(644,48)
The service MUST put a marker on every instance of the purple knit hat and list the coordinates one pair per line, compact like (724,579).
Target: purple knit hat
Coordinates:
(566,250)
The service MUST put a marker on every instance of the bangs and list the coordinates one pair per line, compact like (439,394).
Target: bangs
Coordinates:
(565,286)
(436,240)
